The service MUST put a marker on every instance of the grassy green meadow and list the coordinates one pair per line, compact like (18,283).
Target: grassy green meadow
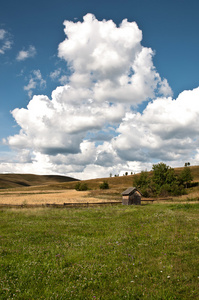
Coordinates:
(112,252)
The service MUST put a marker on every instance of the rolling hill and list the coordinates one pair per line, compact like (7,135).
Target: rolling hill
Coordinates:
(25,180)
(63,182)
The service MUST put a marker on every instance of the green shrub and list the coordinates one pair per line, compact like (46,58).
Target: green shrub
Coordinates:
(164,181)
(186,177)
(81,186)
(178,190)
(104,186)
(165,190)
(141,180)
(77,186)
(146,192)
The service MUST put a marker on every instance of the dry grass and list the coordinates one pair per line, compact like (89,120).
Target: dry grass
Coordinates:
(38,198)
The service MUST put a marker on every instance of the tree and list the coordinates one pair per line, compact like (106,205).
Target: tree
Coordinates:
(77,186)
(142,182)
(166,182)
(81,186)
(185,177)
(171,177)
(163,182)
(160,172)
(104,185)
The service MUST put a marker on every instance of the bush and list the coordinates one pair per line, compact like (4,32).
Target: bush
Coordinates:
(81,186)
(178,190)
(104,186)
(165,190)
(186,177)
(77,186)
(164,181)
(146,192)
(141,180)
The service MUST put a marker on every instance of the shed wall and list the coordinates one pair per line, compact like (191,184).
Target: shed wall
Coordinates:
(125,200)
(134,199)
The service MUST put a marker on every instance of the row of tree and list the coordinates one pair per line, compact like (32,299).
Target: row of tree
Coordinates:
(163,181)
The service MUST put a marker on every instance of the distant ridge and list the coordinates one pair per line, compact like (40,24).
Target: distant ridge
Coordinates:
(20,180)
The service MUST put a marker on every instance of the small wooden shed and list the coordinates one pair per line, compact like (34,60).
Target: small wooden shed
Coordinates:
(131,196)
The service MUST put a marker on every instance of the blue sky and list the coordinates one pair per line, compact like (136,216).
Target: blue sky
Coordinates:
(34,60)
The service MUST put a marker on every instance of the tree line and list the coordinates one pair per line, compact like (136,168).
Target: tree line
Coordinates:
(163,181)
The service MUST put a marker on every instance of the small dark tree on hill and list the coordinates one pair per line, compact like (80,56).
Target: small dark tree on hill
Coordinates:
(81,186)
(104,185)
(187,164)
(160,172)
(77,186)
(142,181)
(186,177)
(165,180)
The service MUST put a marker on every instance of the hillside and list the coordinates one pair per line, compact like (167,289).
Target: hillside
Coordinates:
(125,181)
(25,180)
(56,182)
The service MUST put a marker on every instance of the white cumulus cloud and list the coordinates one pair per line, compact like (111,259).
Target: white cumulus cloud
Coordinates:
(55,74)
(5,41)
(166,130)
(24,54)
(35,81)
(90,126)
(2,34)
(111,61)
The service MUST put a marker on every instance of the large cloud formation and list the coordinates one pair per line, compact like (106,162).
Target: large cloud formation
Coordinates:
(91,125)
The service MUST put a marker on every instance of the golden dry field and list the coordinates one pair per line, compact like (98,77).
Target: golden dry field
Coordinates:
(28,196)
(48,197)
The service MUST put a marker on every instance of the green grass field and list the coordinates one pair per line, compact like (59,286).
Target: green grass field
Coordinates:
(116,252)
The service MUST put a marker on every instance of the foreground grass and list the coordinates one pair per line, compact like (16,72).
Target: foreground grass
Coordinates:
(145,252)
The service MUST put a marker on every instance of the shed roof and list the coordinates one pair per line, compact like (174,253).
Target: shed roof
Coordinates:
(129,191)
